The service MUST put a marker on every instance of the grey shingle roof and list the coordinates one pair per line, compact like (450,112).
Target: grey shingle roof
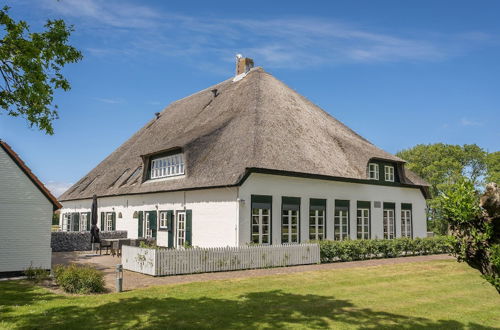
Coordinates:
(257,122)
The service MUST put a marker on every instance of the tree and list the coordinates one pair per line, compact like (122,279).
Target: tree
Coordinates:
(442,165)
(30,69)
(493,167)
(475,226)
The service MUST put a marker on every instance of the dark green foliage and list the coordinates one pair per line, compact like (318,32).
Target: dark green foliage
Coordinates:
(493,165)
(476,232)
(350,250)
(79,279)
(36,274)
(30,68)
(442,165)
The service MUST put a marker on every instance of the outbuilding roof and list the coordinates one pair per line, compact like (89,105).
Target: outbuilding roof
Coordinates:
(232,128)
(15,157)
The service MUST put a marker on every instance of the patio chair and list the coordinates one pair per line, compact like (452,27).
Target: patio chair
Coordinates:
(104,244)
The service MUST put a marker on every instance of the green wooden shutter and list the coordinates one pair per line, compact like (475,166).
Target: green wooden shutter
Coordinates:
(189,227)
(102,221)
(170,228)
(88,220)
(76,221)
(113,217)
(152,223)
(140,223)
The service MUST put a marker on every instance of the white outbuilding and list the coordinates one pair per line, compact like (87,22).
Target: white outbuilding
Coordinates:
(26,209)
(249,161)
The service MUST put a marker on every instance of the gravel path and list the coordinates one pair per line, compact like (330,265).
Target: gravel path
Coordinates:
(132,280)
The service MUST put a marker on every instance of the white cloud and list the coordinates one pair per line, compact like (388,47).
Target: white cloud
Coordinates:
(130,29)
(467,122)
(110,100)
(58,188)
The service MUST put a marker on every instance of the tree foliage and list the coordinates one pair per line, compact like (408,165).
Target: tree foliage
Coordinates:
(443,165)
(476,230)
(30,69)
(493,165)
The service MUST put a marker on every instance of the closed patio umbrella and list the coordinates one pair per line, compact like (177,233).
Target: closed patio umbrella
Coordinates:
(94,231)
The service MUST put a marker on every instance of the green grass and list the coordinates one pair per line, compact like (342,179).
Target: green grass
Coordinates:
(435,294)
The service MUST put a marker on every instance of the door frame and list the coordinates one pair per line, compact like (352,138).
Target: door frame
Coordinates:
(176,228)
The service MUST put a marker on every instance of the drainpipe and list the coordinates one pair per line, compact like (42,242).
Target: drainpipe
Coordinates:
(237,240)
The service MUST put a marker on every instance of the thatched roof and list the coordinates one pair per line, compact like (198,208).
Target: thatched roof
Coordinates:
(256,122)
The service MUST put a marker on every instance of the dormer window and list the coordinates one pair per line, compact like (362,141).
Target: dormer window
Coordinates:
(389,173)
(167,166)
(373,171)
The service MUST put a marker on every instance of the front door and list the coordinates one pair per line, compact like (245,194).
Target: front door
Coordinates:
(180,232)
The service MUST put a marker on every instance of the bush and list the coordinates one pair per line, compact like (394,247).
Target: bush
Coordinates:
(350,250)
(474,223)
(79,279)
(36,274)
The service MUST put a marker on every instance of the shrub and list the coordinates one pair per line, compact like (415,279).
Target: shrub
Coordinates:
(350,250)
(474,223)
(79,279)
(36,274)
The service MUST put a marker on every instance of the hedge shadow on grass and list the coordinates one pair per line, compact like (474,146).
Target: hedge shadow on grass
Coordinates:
(273,309)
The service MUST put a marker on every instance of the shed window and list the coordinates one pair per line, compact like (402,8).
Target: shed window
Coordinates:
(389,173)
(167,166)
(373,171)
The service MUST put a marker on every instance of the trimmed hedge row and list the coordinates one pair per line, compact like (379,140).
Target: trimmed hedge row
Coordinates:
(349,250)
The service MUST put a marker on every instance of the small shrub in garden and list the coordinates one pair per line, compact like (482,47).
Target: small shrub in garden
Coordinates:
(350,250)
(36,274)
(79,279)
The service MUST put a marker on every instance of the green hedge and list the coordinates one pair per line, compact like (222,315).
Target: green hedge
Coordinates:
(349,250)
(79,279)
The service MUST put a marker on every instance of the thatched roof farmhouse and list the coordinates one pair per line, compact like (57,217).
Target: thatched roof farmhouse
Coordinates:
(249,126)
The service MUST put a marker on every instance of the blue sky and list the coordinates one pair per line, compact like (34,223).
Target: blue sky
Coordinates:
(399,73)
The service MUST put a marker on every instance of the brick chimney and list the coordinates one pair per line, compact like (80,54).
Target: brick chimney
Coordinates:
(243,64)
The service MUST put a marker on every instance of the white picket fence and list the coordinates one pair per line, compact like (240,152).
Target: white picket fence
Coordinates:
(160,262)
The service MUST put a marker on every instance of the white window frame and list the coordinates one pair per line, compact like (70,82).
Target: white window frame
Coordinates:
(167,166)
(389,173)
(373,171)
(406,225)
(289,216)
(163,219)
(389,224)
(148,233)
(341,220)
(180,232)
(258,226)
(108,223)
(363,223)
(83,224)
(314,224)
(66,223)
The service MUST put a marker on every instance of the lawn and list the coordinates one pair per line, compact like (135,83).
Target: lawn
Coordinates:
(434,294)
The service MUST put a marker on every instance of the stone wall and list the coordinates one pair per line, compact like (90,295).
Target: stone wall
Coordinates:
(62,241)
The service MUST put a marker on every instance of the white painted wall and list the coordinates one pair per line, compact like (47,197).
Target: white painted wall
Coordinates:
(278,186)
(214,213)
(25,220)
